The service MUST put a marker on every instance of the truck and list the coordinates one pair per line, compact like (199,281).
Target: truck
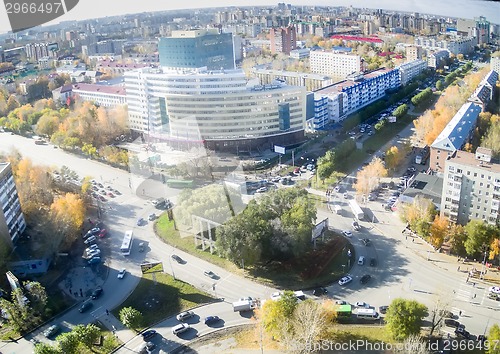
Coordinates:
(422,156)
(356,209)
(243,305)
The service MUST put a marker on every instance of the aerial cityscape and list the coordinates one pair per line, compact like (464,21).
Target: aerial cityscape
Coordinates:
(246,179)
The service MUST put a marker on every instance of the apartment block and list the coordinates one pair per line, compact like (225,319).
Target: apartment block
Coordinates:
(283,40)
(12,223)
(495,64)
(334,64)
(484,91)
(413,53)
(311,82)
(437,59)
(471,187)
(410,70)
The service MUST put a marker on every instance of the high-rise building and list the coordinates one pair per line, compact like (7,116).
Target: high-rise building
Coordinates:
(283,40)
(413,53)
(409,70)
(495,65)
(334,64)
(196,49)
(471,187)
(12,223)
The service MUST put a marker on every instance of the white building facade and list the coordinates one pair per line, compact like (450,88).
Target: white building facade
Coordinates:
(334,64)
(410,70)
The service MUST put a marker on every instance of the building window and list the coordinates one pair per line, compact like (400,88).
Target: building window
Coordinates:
(482,176)
(475,174)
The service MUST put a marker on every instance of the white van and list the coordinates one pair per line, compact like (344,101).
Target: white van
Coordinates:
(361,260)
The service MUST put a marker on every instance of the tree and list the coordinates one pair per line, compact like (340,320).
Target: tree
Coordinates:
(404,318)
(37,295)
(491,139)
(87,335)
(456,238)
(479,234)
(369,177)
(494,339)
(46,348)
(393,158)
(414,344)
(89,149)
(68,342)
(68,212)
(438,231)
(400,111)
(131,317)
(419,214)
(12,103)
(438,312)
(276,315)
(494,249)
(439,85)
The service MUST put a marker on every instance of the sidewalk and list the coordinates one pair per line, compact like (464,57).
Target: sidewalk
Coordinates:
(116,327)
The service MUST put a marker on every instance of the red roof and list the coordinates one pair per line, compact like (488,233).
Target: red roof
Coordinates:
(112,89)
(357,38)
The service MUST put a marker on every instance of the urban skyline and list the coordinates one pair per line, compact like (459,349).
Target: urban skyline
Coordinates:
(461,9)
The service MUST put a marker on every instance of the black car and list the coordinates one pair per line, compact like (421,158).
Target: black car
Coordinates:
(460,331)
(85,306)
(453,323)
(365,278)
(383,309)
(320,291)
(211,320)
(177,258)
(366,241)
(150,333)
(96,293)
(373,262)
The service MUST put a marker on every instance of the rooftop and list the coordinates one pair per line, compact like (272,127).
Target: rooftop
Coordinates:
(429,186)
(469,159)
(111,90)
(339,86)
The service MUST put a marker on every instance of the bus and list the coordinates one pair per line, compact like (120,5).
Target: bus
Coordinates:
(127,243)
(367,314)
(344,310)
(356,210)
(179,183)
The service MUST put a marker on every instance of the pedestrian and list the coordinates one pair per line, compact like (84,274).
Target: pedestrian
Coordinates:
(107,312)
(413,240)
(458,269)
(474,285)
(460,313)
(474,296)
(406,238)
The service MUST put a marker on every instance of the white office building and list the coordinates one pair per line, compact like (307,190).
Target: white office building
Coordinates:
(218,109)
(408,71)
(334,64)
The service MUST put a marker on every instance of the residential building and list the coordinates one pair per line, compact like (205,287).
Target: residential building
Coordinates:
(300,53)
(479,28)
(437,59)
(36,51)
(495,64)
(101,94)
(196,49)
(283,40)
(454,46)
(117,67)
(334,64)
(454,136)
(484,92)
(413,53)
(333,103)
(410,70)
(217,109)
(109,47)
(471,187)
(311,82)
(12,223)
(426,186)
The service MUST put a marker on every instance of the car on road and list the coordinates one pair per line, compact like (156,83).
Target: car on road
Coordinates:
(365,278)
(177,259)
(121,273)
(95,260)
(340,302)
(345,280)
(366,241)
(276,295)
(51,331)
(336,189)
(152,217)
(96,293)
(461,332)
(211,320)
(90,240)
(85,306)
(453,323)
(103,233)
(261,190)
(180,328)
(383,309)
(210,274)
(147,348)
(141,222)
(147,335)
(356,225)
(184,315)
(319,291)
(347,233)
(373,262)
(494,289)
(345,195)
(362,304)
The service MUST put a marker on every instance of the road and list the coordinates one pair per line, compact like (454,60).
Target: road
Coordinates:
(121,215)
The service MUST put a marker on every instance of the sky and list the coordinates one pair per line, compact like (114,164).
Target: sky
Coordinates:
(454,8)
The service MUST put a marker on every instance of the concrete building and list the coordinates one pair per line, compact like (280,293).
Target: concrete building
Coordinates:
(454,46)
(334,64)
(36,51)
(197,48)
(413,53)
(109,47)
(300,53)
(454,136)
(311,82)
(283,40)
(478,28)
(333,103)
(437,59)
(220,110)
(471,187)
(484,92)
(426,186)
(495,64)
(410,70)
(101,94)
(12,223)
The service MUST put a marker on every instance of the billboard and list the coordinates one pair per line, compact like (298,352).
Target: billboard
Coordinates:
(153,267)
(279,149)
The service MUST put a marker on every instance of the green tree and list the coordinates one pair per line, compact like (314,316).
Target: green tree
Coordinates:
(439,85)
(68,342)
(131,317)
(404,318)
(89,149)
(400,111)
(479,234)
(46,348)
(37,295)
(87,335)
(494,340)
(491,139)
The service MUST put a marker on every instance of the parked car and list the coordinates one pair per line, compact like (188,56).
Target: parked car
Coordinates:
(319,291)
(340,302)
(150,333)
(461,332)
(141,221)
(452,323)
(103,233)
(92,247)
(184,315)
(93,253)
(373,262)
(96,293)
(356,225)
(94,230)
(347,233)
(51,331)
(121,273)
(366,241)
(211,320)
(180,328)
(383,309)
(85,306)
(345,280)
(365,278)
(210,274)
(147,348)
(95,260)
(261,190)
(90,240)
(362,304)
(152,217)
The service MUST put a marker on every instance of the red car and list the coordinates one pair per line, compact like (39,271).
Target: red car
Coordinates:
(103,233)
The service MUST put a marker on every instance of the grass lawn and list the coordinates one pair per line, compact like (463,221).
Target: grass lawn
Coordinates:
(352,333)
(162,298)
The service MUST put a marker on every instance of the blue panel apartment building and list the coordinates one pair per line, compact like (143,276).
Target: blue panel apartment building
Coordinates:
(12,223)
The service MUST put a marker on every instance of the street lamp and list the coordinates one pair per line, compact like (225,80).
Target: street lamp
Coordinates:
(485,248)
(171,266)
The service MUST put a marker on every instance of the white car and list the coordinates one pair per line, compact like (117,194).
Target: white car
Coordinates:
(91,247)
(347,233)
(121,273)
(345,280)
(184,315)
(494,289)
(341,302)
(362,304)
(180,328)
(276,295)
(336,189)
(346,195)
(261,190)
(93,253)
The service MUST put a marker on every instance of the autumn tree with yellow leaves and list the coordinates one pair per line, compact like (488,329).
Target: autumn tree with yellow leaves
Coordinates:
(68,212)
(438,231)
(369,177)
